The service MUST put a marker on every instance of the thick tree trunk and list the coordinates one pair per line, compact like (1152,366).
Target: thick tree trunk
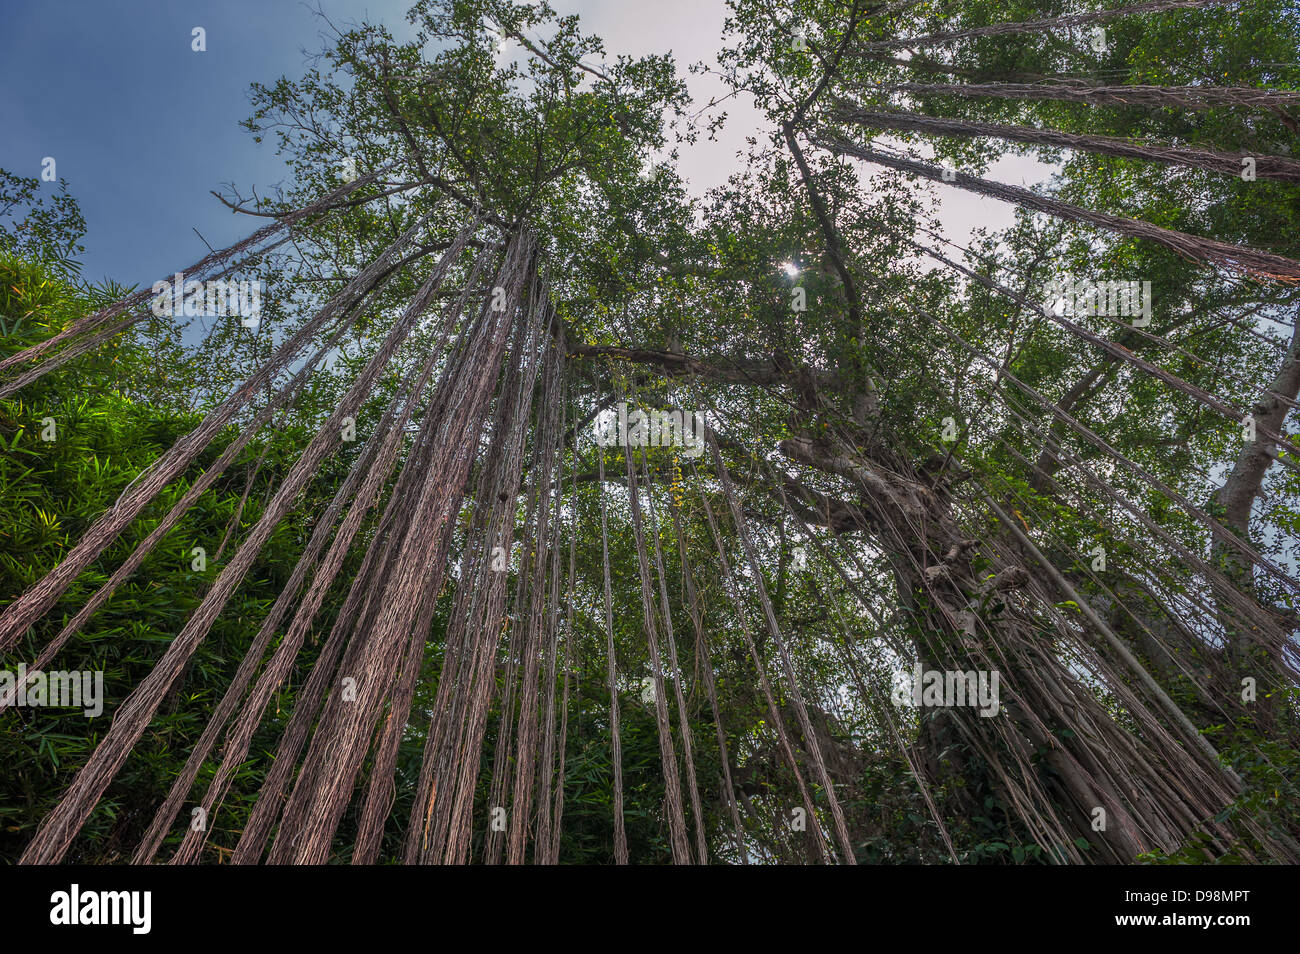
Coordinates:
(1249,651)
(1045,752)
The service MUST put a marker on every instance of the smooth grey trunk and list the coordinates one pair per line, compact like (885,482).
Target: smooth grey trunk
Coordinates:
(1249,650)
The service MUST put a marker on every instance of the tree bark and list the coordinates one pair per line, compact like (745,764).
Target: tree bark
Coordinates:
(1210,251)
(1266,167)
(1076,91)
(1250,651)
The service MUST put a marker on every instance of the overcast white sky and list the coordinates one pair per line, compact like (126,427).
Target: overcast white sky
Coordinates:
(692,30)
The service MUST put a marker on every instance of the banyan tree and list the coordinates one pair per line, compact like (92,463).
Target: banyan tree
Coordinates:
(768,526)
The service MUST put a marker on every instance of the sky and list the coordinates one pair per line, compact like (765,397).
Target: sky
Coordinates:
(143,128)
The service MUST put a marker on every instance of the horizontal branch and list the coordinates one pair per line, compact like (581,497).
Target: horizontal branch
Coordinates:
(1237,258)
(737,370)
(1266,167)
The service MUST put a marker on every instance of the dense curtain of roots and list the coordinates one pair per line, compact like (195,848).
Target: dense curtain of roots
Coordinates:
(464,500)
